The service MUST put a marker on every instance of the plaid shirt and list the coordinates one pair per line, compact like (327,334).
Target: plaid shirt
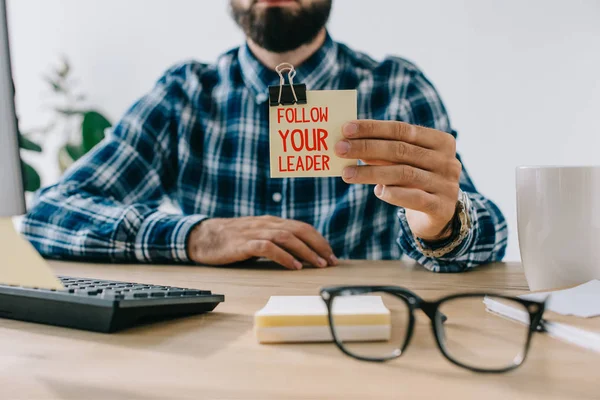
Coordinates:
(200,139)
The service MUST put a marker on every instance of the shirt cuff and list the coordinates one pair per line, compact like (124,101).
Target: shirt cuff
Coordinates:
(163,237)
(409,239)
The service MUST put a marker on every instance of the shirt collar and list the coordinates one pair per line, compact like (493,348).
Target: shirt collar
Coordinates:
(315,72)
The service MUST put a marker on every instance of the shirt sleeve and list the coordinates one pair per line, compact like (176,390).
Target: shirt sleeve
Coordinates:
(106,207)
(486,241)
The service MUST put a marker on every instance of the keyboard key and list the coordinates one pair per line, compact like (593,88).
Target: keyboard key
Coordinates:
(157,294)
(175,293)
(140,295)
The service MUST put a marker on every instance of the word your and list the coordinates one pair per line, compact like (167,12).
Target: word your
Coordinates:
(312,140)
(300,139)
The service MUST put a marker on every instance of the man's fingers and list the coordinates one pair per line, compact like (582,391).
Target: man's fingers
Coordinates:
(268,249)
(394,152)
(395,175)
(414,199)
(309,235)
(289,242)
(400,131)
(304,232)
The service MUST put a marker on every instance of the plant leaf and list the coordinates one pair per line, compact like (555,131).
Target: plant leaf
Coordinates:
(92,129)
(64,159)
(75,152)
(67,155)
(56,85)
(28,144)
(70,111)
(31,178)
(65,67)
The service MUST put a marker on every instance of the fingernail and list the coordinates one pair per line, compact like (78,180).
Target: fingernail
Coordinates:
(350,129)
(342,147)
(321,262)
(379,190)
(297,264)
(349,172)
(333,259)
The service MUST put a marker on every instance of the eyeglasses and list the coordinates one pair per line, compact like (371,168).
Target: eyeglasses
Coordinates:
(465,332)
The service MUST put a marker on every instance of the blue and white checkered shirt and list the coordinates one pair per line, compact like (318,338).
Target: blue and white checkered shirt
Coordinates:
(200,138)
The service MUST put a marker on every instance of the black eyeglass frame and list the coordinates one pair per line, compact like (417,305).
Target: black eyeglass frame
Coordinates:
(431,309)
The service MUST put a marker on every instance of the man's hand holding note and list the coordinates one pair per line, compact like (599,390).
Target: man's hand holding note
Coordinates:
(412,167)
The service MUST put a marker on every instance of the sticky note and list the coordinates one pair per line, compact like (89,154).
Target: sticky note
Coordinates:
(21,264)
(303,136)
(305,319)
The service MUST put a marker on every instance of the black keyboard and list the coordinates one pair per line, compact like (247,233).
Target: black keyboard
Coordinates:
(101,305)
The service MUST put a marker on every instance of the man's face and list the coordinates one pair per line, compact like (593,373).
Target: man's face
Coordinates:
(281,25)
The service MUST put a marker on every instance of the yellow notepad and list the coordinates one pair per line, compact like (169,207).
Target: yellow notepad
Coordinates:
(305,319)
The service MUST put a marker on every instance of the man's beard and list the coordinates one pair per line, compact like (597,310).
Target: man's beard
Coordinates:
(278,29)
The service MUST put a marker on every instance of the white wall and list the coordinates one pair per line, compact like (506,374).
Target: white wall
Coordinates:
(520,78)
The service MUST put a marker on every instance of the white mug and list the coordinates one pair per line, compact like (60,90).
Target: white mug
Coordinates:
(558,214)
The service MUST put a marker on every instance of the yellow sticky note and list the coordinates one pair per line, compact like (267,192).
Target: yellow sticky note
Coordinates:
(303,136)
(305,319)
(20,263)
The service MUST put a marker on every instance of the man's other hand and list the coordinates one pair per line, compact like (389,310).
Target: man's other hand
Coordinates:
(221,241)
(412,167)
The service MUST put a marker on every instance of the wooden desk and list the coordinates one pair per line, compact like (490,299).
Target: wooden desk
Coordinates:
(216,355)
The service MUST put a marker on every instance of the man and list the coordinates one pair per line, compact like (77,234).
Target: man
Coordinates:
(200,139)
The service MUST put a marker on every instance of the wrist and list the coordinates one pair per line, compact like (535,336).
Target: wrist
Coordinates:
(446,232)
(461,225)
(197,238)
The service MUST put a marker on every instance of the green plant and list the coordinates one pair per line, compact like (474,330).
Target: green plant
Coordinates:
(82,127)
(93,125)
(31,177)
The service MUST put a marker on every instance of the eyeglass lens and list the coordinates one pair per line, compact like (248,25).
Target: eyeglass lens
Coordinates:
(470,334)
(378,331)
(481,339)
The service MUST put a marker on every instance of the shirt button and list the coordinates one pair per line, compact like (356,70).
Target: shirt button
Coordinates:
(277,197)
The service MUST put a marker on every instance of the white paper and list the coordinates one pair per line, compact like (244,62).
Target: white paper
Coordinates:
(314,305)
(570,334)
(581,301)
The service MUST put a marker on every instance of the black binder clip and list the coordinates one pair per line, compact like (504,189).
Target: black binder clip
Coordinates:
(285,95)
